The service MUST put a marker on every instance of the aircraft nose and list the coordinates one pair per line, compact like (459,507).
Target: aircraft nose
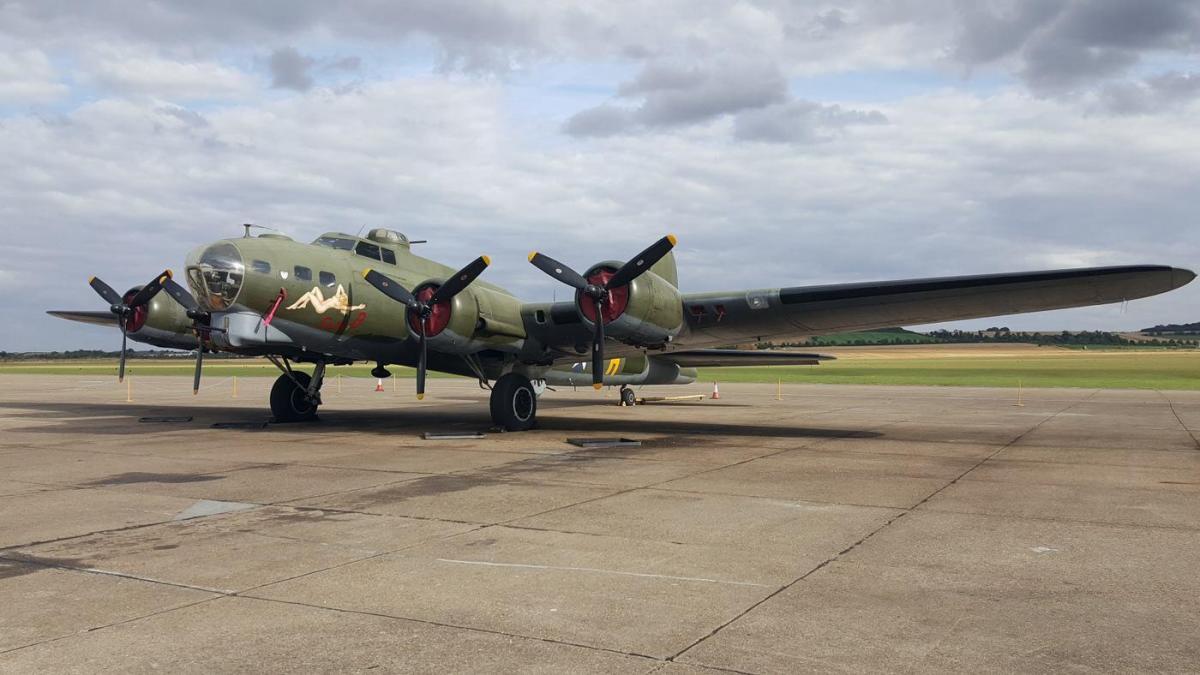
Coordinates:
(215,274)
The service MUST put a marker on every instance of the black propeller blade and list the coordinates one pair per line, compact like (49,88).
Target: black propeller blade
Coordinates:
(124,309)
(423,309)
(196,314)
(558,270)
(599,293)
(110,296)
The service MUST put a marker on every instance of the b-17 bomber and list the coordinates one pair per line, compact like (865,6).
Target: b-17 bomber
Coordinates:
(343,299)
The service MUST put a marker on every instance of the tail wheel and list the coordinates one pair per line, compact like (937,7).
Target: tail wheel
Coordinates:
(514,403)
(290,401)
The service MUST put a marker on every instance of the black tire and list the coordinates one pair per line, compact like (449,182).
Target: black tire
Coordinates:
(628,397)
(514,403)
(289,402)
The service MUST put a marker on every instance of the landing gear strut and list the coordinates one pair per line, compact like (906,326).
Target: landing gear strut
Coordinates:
(514,403)
(296,395)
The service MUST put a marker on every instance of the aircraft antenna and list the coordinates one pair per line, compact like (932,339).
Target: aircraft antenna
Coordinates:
(257,227)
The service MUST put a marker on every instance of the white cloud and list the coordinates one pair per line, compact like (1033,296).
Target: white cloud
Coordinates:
(135,72)
(28,77)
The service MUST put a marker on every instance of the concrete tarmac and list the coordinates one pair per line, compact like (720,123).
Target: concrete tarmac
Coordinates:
(841,528)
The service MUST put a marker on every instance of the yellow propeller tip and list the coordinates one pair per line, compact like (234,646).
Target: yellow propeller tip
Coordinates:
(486,260)
(671,238)
(168,274)
(366,272)
(91,279)
(532,255)
(597,386)
(420,397)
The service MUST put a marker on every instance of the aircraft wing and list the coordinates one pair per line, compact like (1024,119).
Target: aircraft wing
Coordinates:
(711,358)
(746,316)
(100,318)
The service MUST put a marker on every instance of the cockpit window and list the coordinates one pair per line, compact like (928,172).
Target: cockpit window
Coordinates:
(367,250)
(389,256)
(339,243)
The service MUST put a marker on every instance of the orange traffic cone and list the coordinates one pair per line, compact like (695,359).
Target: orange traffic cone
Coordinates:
(716,392)
(379,384)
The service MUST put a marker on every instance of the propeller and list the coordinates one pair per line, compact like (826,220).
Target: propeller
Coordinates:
(599,290)
(421,306)
(196,314)
(126,308)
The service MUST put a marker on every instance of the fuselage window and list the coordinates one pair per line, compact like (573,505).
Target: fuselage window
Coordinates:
(261,266)
(303,273)
(367,250)
(389,256)
(328,279)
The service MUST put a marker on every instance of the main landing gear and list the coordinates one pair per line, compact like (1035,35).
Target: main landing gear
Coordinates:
(296,395)
(628,398)
(514,403)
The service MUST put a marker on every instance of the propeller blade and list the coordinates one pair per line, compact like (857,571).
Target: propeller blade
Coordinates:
(598,347)
(641,262)
(558,270)
(461,279)
(199,364)
(390,288)
(421,360)
(181,295)
(121,368)
(110,296)
(150,290)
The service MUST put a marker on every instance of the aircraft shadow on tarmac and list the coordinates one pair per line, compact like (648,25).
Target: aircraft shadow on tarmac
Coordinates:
(121,419)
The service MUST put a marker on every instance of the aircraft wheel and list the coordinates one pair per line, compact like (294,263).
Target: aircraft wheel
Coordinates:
(628,397)
(289,402)
(514,403)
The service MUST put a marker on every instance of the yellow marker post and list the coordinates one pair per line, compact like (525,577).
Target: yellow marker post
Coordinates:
(1019,403)
(235,386)
(339,380)
(779,390)
(128,389)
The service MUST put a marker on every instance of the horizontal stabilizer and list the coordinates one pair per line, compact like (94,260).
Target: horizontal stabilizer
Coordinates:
(715,358)
(100,318)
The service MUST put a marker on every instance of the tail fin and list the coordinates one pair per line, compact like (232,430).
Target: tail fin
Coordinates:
(666,269)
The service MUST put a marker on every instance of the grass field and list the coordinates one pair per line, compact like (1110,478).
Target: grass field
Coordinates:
(936,365)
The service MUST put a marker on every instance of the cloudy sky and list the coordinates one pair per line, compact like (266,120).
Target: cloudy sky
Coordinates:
(784,143)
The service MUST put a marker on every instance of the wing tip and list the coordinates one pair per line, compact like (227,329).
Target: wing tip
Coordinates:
(1181,277)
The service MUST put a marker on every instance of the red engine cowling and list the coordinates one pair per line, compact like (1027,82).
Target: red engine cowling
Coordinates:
(647,312)
(161,322)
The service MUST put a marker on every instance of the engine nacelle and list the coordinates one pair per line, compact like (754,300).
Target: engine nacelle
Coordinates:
(161,322)
(477,318)
(648,312)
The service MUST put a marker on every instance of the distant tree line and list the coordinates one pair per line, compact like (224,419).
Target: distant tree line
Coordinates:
(995,334)
(166,354)
(1173,328)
